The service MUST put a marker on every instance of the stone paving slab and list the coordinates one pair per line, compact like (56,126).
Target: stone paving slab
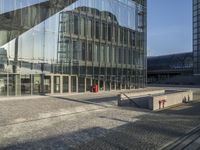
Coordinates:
(87,123)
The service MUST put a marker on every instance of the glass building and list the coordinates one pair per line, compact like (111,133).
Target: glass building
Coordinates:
(196,36)
(64,46)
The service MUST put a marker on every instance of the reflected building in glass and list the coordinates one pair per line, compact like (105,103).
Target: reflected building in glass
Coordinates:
(196,36)
(64,46)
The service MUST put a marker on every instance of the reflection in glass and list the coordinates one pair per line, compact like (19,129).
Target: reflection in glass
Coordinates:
(47,84)
(36,84)
(65,84)
(73,84)
(3,85)
(25,84)
(81,84)
(56,84)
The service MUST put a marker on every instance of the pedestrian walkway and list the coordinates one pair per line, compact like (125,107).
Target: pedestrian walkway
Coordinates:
(190,141)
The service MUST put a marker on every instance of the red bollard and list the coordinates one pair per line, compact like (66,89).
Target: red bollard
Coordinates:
(97,88)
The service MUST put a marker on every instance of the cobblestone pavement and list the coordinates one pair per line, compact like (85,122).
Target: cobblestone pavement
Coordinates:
(89,122)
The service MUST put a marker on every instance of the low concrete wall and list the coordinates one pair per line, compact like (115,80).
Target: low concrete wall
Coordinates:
(196,95)
(140,101)
(167,100)
(143,93)
(140,97)
(155,100)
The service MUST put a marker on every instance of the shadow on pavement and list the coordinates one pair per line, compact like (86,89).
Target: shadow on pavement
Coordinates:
(106,102)
(141,134)
(96,101)
(191,109)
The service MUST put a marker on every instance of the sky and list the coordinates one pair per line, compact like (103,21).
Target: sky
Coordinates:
(169,27)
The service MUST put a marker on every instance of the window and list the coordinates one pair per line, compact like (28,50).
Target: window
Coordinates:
(132,38)
(125,56)
(98,52)
(89,27)
(82,26)
(76,25)
(110,54)
(65,23)
(102,53)
(89,53)
(116,34)
(97,35)
(107,54)
(76,47)
(109,32)
(125,36)
(83,51)
(121,36)
(104,31)
(121,55)
(95,56)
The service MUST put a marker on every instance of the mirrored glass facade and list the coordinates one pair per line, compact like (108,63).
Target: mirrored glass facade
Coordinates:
(61,46)
(196,36)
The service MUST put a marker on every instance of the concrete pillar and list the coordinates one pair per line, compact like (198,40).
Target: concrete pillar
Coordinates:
(52,84)
(15,66)
(69,85)
(17,85)
(125,86)
(61,84)
(98,82)
(91,82)
(42,84)
(77,84)
(31,76)
(7,84)
(104,86)
(85,82)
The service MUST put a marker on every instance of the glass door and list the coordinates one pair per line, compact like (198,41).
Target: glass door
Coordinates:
(65,84)
(36,84)
(47,84)
(56,84)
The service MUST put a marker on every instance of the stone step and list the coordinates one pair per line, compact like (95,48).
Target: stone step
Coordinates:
(190,141)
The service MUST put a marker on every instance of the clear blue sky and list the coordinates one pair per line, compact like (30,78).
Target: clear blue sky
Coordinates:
(169,26)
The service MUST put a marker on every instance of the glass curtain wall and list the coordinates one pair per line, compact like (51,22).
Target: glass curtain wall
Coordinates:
(196,39)
(101,40)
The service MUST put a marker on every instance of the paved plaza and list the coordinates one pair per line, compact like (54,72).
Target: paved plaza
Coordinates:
(93,121)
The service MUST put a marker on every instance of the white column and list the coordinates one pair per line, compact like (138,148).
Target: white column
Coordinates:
(69,84)
(31,76)
(61,84)
(18,85)
(7,84)
(85,84)
(104,86)
(52,84)
(77,84)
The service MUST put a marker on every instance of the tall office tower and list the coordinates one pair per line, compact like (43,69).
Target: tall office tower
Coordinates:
(63,46)
(196,36)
